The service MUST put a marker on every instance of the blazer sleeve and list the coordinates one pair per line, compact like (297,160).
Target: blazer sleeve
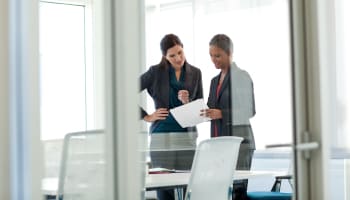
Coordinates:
(146,80)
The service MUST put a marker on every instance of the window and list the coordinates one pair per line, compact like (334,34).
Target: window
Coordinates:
(342,139)
(68,76)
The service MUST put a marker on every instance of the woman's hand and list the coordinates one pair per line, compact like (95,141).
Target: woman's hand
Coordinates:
(211,113)
(159,114)
(183,96)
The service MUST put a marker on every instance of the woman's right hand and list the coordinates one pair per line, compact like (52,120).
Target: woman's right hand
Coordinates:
(211,113)
(159,114)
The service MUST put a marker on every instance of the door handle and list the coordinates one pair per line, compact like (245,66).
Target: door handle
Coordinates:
(305,147)
(308,146)
(299,147)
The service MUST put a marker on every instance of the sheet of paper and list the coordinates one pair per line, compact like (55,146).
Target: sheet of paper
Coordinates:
(189,114)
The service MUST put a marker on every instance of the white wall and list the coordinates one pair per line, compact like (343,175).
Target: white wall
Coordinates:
(4,115)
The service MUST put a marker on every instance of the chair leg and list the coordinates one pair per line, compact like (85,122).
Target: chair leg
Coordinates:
(276,186)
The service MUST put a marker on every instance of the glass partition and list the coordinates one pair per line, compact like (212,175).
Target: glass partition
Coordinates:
(260,32)
(340,141)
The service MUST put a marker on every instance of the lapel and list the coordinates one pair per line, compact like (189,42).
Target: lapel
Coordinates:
(164,84)
(188,76)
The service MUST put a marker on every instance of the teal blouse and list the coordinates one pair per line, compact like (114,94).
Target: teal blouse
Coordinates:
(170,124)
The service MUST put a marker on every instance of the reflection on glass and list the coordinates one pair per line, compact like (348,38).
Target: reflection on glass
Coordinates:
(173,150)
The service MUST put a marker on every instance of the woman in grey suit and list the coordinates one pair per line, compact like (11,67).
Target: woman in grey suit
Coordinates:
(171,83)
(231,105)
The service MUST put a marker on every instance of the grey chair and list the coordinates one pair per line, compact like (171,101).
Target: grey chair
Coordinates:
(82,167)
(213,169)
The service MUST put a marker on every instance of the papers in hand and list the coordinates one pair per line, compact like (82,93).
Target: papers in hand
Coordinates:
(189,114)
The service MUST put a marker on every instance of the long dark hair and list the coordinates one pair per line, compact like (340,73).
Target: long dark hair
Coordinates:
(168,41)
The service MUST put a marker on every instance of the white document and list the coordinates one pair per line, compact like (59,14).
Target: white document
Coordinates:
(189,114)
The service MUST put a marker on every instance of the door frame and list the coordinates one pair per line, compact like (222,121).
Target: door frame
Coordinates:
(124,54)
(312,39)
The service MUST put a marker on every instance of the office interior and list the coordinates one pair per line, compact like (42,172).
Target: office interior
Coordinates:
(71,65)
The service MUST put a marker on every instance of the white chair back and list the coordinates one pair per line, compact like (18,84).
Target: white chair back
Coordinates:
(82,171)
(213,169)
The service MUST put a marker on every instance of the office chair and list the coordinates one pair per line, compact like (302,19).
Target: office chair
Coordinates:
(82,168)
(275,192)
(213,169)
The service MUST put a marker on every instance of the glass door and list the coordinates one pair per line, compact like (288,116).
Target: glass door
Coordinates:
(328,97)
(261,35)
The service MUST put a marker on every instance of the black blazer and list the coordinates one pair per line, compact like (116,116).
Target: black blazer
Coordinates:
(236,102)
(156,81)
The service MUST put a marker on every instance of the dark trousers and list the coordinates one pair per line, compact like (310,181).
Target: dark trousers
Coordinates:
(244,162)
(180,160)
(166,194)
(169,194)
(240,190)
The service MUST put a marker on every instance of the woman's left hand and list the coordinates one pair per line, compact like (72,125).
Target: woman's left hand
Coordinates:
(183,96)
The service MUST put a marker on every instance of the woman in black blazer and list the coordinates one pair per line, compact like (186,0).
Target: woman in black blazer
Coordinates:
(171,83)
(231,104)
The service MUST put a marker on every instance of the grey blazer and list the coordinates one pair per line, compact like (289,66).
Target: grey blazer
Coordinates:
(236,102)
(156,81)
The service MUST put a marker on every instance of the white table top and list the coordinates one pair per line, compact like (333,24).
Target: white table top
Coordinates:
(154,181)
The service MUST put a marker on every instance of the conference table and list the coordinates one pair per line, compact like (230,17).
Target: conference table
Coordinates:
(177,180)
(174,180)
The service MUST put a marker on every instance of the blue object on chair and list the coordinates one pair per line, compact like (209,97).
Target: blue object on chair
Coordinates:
(275,193)
(269,196)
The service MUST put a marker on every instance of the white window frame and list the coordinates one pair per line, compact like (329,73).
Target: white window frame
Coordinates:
(94,94)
